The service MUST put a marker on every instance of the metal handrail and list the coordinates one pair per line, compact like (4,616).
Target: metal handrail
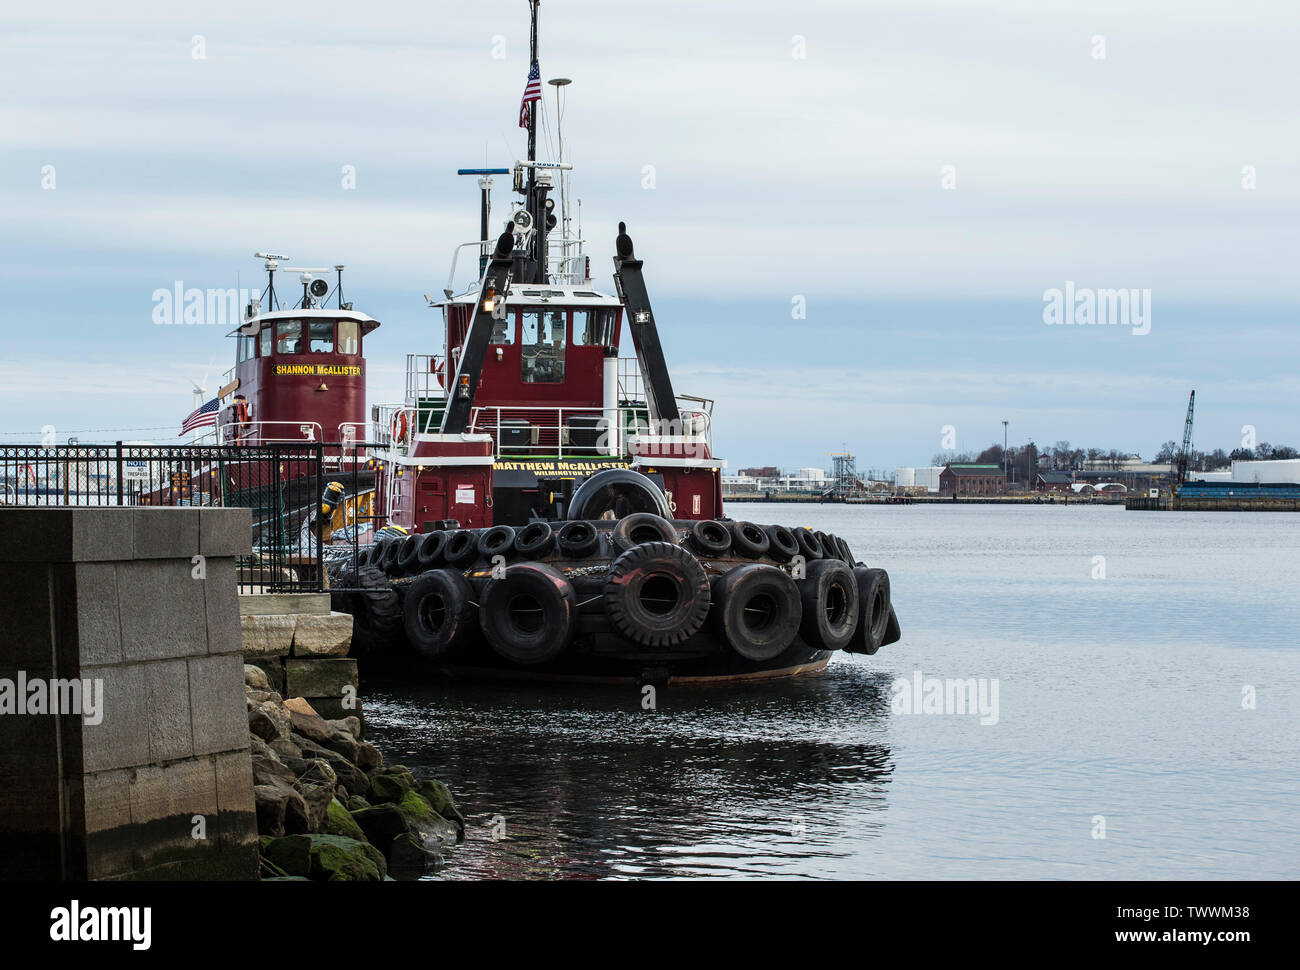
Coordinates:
(258,438)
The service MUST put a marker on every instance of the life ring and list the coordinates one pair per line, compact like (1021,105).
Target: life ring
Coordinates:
(439,369)
(400,427)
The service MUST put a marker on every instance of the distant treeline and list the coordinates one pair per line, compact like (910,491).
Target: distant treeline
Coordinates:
(1025,461)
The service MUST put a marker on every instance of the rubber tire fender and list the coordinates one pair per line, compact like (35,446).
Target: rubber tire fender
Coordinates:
(432,547)
(829,549)
(782,545)
(711,538)
(496,541)
(535,540)
(639,527)
(439,614)
(407,555)
(810,547)
(461,549)
(893,632)
(577,539)
(392,549)
(591,498)
(528,616)
(377,614)
(645,578)
(749,540)
(845,553)
(756,592)
(873,611)
(341,602)
(829,592)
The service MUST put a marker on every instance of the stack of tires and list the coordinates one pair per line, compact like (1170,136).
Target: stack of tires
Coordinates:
(647,585)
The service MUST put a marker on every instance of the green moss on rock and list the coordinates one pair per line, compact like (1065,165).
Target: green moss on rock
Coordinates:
(339,822)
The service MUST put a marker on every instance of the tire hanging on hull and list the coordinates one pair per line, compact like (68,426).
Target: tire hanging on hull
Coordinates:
(528,615)
(756,610)
(438,613)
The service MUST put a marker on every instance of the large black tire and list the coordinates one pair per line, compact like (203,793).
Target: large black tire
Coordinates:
(376,612)
(657,595)
(577,539)
(341,601)
(439,614)
(461,549)
(893,632)
(407,556)
(781,543)
(829,593)
(618,489)
(528,616)
(810,547)
(431,550)
(756,609)
(844,552)
(710,538)
(873,611)
(639,527)
(496,541)
(535,540)
(392,549)
(749,540)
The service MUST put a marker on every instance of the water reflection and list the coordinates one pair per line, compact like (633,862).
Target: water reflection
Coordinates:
(772,779)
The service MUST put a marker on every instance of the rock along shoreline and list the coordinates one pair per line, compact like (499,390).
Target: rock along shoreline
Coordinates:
(328,808)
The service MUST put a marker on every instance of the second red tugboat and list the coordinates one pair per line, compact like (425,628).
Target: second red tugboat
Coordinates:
(563,506)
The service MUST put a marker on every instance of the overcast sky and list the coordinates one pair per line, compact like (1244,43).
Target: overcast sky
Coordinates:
(777,177)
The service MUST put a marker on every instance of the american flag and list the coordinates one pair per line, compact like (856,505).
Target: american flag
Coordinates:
(532,92)
(200,417)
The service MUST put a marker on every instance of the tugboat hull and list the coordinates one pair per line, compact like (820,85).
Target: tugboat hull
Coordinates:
(643,600)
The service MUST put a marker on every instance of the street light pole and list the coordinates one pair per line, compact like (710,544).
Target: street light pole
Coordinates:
(1004,449)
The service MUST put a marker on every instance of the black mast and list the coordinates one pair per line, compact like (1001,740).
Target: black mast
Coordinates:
(533,269)
(532,107)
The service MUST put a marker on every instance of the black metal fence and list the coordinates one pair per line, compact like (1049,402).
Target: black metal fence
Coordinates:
(280,483)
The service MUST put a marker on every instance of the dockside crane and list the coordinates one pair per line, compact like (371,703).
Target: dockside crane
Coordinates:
(1178,474)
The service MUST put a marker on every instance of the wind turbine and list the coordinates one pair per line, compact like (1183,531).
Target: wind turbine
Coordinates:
(201,391)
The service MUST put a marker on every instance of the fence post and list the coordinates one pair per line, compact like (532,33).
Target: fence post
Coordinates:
(119,473)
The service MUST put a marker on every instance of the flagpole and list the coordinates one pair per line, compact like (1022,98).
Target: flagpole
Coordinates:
(532,108)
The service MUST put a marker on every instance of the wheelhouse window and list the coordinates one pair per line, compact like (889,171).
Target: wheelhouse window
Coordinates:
(288,337)
(349,337)
(247,348)
(594,327)
(266,341)
(320,337)
(541,346)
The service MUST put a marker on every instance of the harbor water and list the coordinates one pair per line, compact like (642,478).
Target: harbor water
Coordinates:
(1145,670)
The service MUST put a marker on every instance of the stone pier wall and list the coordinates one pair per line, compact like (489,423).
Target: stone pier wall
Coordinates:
(158,783)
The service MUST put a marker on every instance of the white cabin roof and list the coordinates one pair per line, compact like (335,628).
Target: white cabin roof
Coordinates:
(543,294)
(253,324)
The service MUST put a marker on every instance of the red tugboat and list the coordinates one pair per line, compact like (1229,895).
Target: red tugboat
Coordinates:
(563,507)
